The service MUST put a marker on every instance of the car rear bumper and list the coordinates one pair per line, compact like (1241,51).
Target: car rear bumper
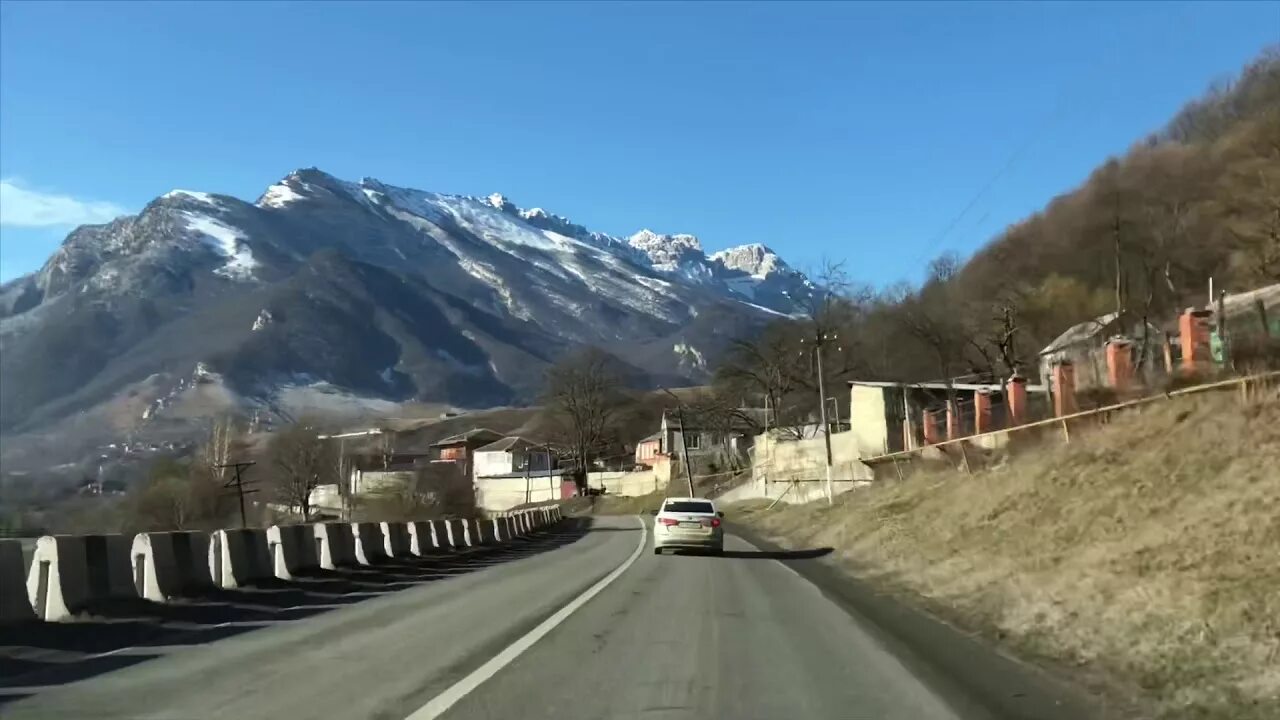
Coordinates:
(715,542)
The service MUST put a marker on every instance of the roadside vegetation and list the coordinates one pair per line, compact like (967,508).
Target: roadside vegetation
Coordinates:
(1142,557)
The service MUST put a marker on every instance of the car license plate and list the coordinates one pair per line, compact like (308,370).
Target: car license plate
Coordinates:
(691,524)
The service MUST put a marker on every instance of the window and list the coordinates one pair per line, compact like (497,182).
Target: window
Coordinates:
(689,506)
(692,441)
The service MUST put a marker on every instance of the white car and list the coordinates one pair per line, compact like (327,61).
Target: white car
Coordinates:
(688,524)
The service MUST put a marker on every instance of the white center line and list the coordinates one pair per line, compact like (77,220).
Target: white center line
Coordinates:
(447,699)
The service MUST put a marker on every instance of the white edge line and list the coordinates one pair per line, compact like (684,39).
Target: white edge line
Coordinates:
(441,703)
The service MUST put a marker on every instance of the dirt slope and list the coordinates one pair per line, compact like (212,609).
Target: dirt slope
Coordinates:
(1144,558)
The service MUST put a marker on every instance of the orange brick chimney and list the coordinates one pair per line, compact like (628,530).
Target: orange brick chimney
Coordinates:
(1119,363)
(930,421)
(953,420)
(982,412)
(1064,389)
(1193,327)
(1016,401)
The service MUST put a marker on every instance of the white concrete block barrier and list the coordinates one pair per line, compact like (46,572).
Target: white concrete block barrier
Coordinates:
(457,533)
(294,549)
(371,544)
(509,529)
(15,606)
(427,538)
(482,532)
(70,572)
(170,564)
(239,557)
(395,535)
(336,548)
(500,531)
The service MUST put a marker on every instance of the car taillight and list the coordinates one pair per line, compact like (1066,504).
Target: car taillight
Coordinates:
(669,521)
(715,522)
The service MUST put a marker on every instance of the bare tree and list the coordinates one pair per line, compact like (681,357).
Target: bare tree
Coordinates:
(299,462)
(584,398)
(223,446)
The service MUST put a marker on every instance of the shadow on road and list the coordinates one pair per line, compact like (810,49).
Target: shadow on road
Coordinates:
(808,554)
(111,635)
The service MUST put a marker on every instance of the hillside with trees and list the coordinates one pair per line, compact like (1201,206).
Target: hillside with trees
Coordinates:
(1144,233)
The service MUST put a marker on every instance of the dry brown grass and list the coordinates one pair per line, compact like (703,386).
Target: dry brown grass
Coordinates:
(613,504)
(1146,554)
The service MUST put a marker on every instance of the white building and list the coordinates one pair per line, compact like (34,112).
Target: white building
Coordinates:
(514,471)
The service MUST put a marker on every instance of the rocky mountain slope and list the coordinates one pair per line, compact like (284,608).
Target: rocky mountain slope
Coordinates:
(365,289)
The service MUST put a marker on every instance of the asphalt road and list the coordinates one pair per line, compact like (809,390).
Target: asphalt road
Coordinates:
(741,636)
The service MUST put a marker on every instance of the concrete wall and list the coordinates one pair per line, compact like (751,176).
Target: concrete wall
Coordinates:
(294,549)
(171,564)
(15,606)
(70,572)
(626,484)
(867,420)
(498,494)
(792,493)
(239,557)
(806,459)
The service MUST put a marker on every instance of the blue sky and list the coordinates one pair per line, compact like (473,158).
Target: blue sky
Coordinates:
(854,132)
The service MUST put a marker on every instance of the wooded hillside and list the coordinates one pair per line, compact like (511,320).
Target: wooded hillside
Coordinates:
(1144,233)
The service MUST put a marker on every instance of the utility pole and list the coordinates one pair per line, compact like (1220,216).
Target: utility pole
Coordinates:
(684,449)
(528,460)
(238,482)
(551,478)
(819,339)
(1223,339)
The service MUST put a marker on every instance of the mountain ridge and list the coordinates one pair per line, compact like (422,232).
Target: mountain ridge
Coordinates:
(384,292)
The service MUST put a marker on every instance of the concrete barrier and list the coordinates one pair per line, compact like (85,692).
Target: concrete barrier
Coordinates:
(398,544)
(336,548)
(70,572)
(508,528)
(294,549)
(370,543)
(239,557)
(171,564)
(15,606)
(482,532)
(425,538)
(456,533)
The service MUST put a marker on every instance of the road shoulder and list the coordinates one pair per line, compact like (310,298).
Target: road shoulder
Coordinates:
(975,677)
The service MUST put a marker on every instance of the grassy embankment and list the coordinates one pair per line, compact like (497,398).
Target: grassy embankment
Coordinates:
(1143,558)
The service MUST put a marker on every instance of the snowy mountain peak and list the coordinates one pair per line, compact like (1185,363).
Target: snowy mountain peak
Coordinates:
(500,202)
(755,260)
(667,252)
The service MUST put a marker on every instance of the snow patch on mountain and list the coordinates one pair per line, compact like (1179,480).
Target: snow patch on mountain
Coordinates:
(278,196)
(192,194)
(690,356)
(226,241)
(755,259)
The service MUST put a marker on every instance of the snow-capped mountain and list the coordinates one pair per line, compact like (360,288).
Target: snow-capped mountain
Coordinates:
(380,291)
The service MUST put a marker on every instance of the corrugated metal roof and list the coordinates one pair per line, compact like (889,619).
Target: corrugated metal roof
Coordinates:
(1080,332)
(505,444)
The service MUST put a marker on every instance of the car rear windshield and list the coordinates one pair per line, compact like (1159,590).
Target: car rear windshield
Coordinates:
(690,507)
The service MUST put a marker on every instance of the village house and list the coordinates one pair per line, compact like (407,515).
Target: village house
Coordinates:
(887,417)
(1092,347)
(513,471)
(460,449)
